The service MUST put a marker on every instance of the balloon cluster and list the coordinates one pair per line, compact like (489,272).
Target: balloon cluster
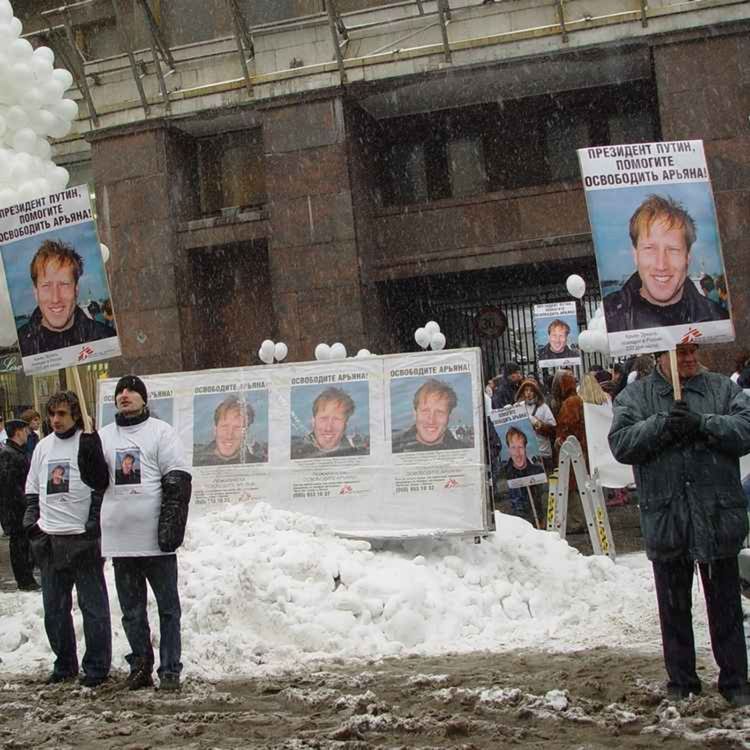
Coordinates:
(595,338)
(269,351)
(32,108)
(430,336)
(323,352)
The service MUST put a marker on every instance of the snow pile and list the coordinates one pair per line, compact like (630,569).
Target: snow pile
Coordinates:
(265,590)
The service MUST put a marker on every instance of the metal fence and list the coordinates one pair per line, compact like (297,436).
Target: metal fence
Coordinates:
(458,320)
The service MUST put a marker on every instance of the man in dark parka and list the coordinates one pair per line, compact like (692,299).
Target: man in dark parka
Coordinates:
(685,457)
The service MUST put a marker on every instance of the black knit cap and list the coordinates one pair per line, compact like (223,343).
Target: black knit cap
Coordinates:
(132,383)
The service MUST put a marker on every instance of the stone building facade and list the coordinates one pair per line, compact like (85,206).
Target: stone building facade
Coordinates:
(317,201)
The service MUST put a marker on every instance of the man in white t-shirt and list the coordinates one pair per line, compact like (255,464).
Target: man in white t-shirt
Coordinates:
(143,523)
(62,522)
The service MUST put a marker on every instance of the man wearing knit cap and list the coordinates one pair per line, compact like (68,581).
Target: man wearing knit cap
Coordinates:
(143,524)
(14,466)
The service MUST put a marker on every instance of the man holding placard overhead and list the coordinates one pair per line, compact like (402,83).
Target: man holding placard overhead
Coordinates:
(685,455)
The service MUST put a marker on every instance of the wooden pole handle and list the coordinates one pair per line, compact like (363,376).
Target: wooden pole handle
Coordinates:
(676,385)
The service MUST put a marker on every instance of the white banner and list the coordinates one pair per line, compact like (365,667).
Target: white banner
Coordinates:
(380,446)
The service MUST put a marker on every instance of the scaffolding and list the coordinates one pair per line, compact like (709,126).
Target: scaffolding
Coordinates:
(419,16)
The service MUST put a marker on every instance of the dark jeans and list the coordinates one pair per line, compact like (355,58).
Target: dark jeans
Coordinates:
(721,585)
(20,559)
(131,575)
(87,575)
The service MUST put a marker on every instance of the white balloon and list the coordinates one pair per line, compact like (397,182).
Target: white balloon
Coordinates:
(21,50)
(60,128)
(587,341)
(19,171)
(322,352)
(21,75)
(280,351)
(267,347)
(432,327)
(596,324)
(16,118)
(32,100)
(6,11)
(42,149)
(41,122)
(422,337)
(52,91)
(45,53)
(58,179)
(7,198)
(264,356)
(16,27)
(3,127)
(364,353)
(105,252)
(25,140)
(67,109)
(576,286)
(437,341)
(64,77)
(338,351)
(41,66)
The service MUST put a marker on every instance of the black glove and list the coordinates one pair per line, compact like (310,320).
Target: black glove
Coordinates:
(683,422)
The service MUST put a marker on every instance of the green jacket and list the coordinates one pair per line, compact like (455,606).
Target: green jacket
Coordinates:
(690,494)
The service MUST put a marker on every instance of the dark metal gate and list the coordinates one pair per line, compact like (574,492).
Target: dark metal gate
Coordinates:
(458,320)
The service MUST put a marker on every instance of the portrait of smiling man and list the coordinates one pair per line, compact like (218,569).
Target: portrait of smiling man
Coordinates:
(233,418)
(331,412)
(57,321)
(660,292)
(433,403)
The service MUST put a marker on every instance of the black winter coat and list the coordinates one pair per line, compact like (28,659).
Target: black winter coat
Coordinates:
(34,338)
(627,310)
(691,498)
(14,466)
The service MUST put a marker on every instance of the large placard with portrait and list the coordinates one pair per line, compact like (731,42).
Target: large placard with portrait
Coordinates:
(377,446)
(56,281)
(656,239)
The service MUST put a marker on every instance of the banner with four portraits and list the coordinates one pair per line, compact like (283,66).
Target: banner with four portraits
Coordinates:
(378,446)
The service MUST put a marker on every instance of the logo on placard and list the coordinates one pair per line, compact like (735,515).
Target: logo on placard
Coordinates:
(346,489)
(450,484)
(85,353)
(692,335)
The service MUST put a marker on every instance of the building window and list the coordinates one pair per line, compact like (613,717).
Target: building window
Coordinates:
(508,145)
(231,171)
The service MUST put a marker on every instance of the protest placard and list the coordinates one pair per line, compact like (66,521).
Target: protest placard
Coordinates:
(521,462)
(556,335)
(657,246)
(56,281)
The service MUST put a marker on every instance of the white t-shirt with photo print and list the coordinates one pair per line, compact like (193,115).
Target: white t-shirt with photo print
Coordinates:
(130,511)
(65,511)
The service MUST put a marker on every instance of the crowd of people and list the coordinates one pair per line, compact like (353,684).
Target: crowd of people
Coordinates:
(71,497)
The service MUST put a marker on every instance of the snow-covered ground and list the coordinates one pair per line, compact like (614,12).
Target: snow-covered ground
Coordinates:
(264,591)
